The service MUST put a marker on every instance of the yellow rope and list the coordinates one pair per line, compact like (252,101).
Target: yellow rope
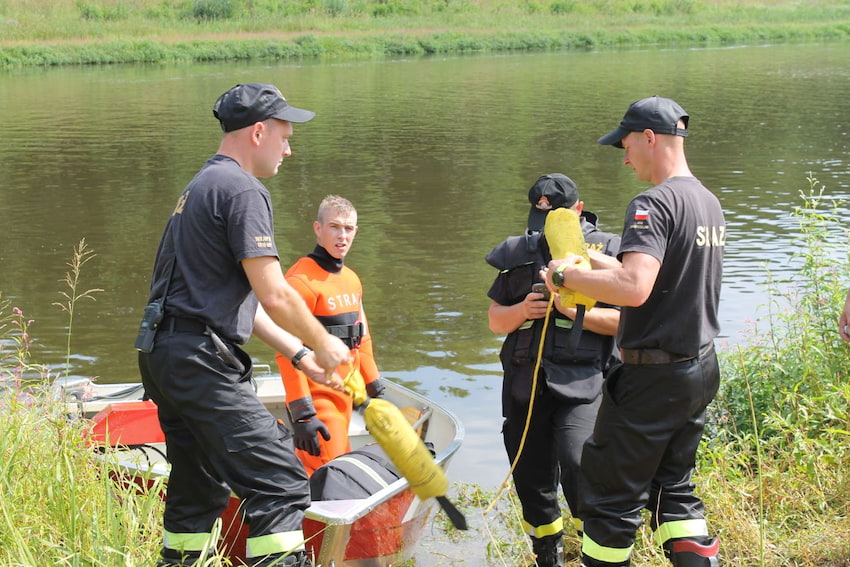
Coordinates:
(530,406)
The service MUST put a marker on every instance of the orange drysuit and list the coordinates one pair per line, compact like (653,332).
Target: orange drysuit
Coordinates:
(335,299)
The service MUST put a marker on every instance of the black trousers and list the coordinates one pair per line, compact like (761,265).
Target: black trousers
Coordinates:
(550,457)
(643,450)
(220,438)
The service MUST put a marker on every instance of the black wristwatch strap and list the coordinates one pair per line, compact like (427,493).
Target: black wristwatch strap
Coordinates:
(296,358)
(558,276)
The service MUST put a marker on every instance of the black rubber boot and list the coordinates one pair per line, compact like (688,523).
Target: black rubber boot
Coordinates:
(297,559)
(177,558)
(693,552)
(549,550)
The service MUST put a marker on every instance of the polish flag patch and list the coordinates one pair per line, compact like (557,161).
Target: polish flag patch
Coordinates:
(641,214)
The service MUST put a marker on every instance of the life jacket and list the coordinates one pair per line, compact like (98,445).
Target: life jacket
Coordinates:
(570,375)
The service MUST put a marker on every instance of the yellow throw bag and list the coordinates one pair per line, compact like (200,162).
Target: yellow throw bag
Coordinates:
(565,238)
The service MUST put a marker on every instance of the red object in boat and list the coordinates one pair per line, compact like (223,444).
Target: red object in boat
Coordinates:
(128,424)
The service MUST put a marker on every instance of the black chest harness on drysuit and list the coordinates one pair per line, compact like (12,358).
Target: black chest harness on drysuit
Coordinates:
(346,326)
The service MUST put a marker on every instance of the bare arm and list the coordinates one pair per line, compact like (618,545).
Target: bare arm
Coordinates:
(280,340)
(844,319)
(600,261)
(508,318)
(630,283)
(288,344)
(286,309)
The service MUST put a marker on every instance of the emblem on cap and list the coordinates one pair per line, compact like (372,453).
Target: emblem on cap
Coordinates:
(543,203)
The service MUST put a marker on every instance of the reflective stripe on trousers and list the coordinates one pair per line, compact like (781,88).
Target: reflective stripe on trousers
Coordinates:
(274,543)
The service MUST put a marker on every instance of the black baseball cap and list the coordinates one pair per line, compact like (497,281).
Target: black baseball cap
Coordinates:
(245,105)
(550,191)
(655,113)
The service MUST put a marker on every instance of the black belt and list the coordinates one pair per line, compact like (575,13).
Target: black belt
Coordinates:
(657,356)
(351,335)
(183,325)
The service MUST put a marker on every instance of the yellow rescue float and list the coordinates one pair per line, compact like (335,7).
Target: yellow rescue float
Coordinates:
(404,447)
(565,238)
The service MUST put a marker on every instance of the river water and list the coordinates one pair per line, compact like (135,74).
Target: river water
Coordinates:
(436,153)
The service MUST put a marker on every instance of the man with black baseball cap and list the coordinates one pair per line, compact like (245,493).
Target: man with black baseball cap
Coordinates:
(245,105)
(569,382)
(217,280)
(550,191)
(667,280)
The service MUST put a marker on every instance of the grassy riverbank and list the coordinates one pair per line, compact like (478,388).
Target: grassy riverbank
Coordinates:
(772,468)
(66,32)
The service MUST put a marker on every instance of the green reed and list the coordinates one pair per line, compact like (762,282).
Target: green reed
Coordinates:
(81,255)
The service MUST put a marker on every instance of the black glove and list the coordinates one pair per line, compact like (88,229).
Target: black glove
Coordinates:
(375,389)
(305,434)
(305,425)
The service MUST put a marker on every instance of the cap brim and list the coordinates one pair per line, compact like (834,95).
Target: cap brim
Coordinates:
(536,219)
(614,137)
(292,114)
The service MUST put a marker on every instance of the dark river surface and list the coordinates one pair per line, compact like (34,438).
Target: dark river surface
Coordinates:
(436,153)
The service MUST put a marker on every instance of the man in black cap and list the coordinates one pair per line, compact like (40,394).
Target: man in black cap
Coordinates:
(569,383)
(643,449)
(217,280)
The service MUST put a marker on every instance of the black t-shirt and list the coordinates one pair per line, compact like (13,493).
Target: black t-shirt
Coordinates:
(680,223)
(223,216)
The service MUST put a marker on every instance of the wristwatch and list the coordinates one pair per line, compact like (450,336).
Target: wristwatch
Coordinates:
(304,351)
(558,275)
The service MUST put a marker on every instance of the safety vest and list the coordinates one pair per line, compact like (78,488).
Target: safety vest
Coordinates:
(576,375)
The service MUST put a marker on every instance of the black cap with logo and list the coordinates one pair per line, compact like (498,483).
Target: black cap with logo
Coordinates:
(550,191)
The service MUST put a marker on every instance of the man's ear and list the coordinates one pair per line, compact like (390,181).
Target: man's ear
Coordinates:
(258,130)
(579,207)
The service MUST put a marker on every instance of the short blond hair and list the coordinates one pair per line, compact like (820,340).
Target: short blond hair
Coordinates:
(336,204)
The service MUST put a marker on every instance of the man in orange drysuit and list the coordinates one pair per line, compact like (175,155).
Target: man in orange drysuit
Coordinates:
(333,294)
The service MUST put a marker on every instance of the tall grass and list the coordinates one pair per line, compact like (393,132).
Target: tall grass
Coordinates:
(59,504)
(81,255)
(799,373)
